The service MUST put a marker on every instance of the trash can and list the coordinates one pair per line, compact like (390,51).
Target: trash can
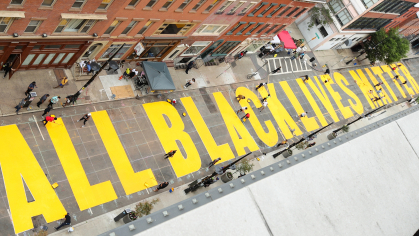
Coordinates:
(31,97)
(332,135)
(226,177)
(121,215)
(287,153)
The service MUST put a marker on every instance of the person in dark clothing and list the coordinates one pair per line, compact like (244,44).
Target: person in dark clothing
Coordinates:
(20,105)
(169,154)
(327,72)
(67,221)
(31,87)
(85,118)
(42,100)
(46,111)
(212,163)
(189,66)
(265,99)
(276,70)
(310,145)
(305,78)
(161,186)
(260,85)
(7,68)
(245,117)
(379,84)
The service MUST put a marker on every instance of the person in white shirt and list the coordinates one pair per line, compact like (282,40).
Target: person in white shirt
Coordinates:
(264,104)
(189,83)
(243,109)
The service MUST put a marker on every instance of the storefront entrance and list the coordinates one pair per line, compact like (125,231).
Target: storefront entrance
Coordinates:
(155,49)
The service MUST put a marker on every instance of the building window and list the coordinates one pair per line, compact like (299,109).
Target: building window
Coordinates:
(245,28)
(323,31)
(237,6)
(5,23)
(48,3)
(151,3)
(226,4)
(283,12)
(75,26)
(293,11)
(112,50)
(196,48)
(343,17)
(156,49)
(16,2)
(254,28)
(179,29)
(32,26)
(198,5)
(184,4)
(133,3)
(226,48)
(300,12)
(210,29)
(257,9)
(112,27)
(369,23)
(267,9)
(272,28)
(263,28)
(145,27)
(78,3)
(336,5)
(276,10)
(280,29)
(394,6)
(129,27)
(369,3)
(167,4)
(251,4)
(105,4)
(235,27)
(210,7)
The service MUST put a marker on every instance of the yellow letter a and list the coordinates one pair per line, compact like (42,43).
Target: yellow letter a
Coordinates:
(17,161)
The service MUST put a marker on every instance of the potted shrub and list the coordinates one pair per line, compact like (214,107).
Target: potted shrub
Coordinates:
(141,209)
(244,167)
(227,176)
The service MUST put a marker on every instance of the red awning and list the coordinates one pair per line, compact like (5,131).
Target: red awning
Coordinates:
(285,37)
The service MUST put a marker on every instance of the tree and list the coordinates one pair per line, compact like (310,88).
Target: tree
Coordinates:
(244,166)
(144,208)
(388,47)
(319,16)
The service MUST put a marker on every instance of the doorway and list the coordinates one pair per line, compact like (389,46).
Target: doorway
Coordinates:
(14,60)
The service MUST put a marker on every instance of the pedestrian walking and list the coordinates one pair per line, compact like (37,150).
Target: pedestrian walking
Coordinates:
(170,154)
(310,145)
(295,55)
(374,99)
(173,102)
(46,111)
(86,117)
(244,118)
(379,84)
(20,105)
(189,66)
(305,79)
(243,109)
(276,70)
(302,55)
(7,68)
(67,221)
(327,80)
(240,97)
(283,143)
(68,100)
(380,90)
(327,72)
(264,104)
(371,92)
(54,100)
(63,82)
(49,119)
(266,98)
(189,83)
(303,114)
(31,87)
(161,186)
(42,100)
(260,85)
(212,163)
(403,82)
(396,77)
(89,68)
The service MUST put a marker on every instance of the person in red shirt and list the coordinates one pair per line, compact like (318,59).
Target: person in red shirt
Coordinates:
(246,116)
(49,119)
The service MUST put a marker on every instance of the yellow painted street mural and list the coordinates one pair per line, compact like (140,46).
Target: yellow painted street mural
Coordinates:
(19,165)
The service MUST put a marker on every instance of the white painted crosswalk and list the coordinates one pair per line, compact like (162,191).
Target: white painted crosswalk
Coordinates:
(287,65)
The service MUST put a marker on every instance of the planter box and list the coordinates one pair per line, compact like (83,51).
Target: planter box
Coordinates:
(226,177)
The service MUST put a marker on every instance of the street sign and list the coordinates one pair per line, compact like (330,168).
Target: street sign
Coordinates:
(317,36)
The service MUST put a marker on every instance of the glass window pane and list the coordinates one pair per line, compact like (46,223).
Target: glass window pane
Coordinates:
(68,57)
(47,2)
(211,29)
(52,46)
(48,59)
(59,57)
(28,59)
(38,59)
(72,46)
(19,2)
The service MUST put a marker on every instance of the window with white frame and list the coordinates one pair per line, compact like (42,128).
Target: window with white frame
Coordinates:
(226,4)
(247,8)
(5,23)
(47,3)
(129,27)
(210,29)
(133,3)
(198,5)
(213,4)
(234,9)
(145,27)
(369,3)
(17,2)
(105,4)
(78,3)
(196,48)
(33,26)
(167,4)
(112,50)
(184,4)
(112,27)
(151,3)
(74,26)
